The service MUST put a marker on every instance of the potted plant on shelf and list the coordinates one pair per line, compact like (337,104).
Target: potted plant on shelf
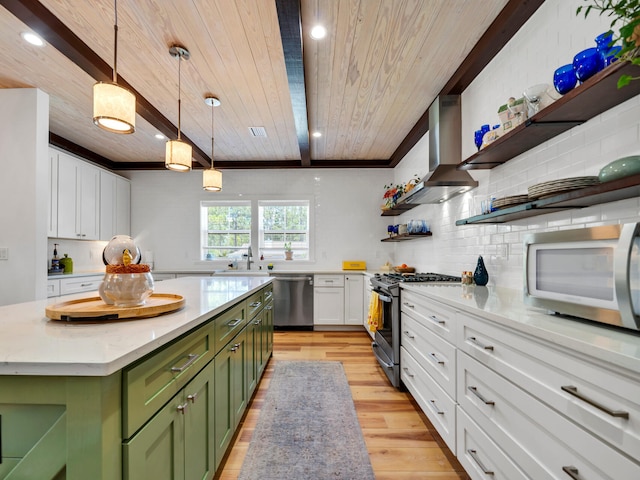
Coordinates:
(288,253)
(625,15)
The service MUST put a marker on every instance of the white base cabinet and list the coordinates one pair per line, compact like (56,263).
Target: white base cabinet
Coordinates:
(337,299)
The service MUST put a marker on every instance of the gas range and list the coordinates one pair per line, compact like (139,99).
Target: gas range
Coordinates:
(389,279)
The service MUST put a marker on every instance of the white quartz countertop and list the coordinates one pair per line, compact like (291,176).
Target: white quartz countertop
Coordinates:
(505,306)
(31,344)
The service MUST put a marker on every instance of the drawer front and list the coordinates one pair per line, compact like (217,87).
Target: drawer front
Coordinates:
(79,285)
(254,304)
(151,383)
(480,456)
(228,324)
(53,288)
(328,280)
(436,356)
(604,401)
(540,441)
(437,317)
(434,401)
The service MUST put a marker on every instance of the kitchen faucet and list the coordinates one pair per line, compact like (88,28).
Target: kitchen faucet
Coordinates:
(249,255)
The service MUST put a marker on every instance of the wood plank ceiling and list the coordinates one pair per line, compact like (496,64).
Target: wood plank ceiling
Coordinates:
(366,87)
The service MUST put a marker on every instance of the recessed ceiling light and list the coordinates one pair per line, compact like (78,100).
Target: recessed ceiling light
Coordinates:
(160,136)
(316,134)
(318,32)
(32,38)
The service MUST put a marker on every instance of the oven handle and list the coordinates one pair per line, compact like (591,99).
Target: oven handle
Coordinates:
(374,347)
(383,297)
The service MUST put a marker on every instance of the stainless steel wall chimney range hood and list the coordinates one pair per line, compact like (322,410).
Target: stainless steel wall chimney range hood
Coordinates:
(445,151)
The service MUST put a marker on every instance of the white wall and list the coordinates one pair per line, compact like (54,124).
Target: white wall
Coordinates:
(548,40)
(165,213)
(24,140)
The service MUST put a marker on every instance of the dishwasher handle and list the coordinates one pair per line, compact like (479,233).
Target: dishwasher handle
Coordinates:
(295,279)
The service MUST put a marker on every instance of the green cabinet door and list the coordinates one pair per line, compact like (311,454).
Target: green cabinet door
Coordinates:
(252,353)
(267,336)
(177,443)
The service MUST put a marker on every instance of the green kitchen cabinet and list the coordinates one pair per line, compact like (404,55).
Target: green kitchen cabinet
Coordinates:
(230,392)
(177,443)
(252,353)
(267,337)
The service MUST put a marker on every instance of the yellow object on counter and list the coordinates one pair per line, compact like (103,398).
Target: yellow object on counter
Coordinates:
(354,265)
(374,318)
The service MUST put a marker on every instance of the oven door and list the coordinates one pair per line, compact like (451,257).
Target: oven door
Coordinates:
(386,344)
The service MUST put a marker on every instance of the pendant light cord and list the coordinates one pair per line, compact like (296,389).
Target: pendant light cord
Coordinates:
(212,109)
(115,43)
(179,87)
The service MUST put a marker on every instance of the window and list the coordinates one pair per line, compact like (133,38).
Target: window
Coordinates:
(284,222)
(229,227)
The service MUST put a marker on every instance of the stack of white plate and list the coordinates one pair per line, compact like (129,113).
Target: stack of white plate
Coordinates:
(555,187)
(510,201)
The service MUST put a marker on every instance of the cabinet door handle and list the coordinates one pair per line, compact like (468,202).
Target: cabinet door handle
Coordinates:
(570,389)
(234,323)
(407,304)
(475,341)
(572,472)
(192,397)
(255,304)
(435,319)
(474,390)
(258,321)
(182,408)
(408,372)
(192,357)
(408,334)
(476,459)
(235,347)
(270,307)
(435,408)
(435,359)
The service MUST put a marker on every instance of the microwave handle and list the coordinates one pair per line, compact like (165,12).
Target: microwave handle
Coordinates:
(622,269)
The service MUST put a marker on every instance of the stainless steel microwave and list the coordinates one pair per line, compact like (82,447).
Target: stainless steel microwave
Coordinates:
(591,273)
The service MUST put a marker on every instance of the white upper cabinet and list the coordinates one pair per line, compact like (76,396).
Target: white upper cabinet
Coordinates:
(115,201)
(78,198)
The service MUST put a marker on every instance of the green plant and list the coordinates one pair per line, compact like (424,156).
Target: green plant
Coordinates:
(625,27)
(287,246)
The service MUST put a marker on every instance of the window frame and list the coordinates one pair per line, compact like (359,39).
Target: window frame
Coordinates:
(255,201)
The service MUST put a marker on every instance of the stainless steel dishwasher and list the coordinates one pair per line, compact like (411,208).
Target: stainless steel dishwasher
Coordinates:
(293,301)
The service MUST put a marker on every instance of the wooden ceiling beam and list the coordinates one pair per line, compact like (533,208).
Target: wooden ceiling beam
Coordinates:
(33,14)
(512,17)
(290,20)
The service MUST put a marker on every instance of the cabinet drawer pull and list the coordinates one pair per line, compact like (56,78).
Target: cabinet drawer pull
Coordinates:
(435,319)
(86,284)
(269,307)
(408,334)
(258,321)
(235,347)
(407,304)
(570,389)
(255,304)
(476,459)
(474,390)
(572,472)
(478,344)
(234,323)
(435,359)
(192,357)
(435,408)
(408,372)
(182,408)
(192,397)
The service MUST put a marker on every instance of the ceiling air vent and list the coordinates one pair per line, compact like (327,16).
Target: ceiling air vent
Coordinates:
(258,131)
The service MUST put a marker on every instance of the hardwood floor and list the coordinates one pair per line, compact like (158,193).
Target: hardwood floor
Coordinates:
(402,443)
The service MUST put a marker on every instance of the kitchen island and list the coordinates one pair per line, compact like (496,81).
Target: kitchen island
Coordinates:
(126,398)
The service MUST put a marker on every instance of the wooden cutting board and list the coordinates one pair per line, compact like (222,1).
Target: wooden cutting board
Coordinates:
(94,309)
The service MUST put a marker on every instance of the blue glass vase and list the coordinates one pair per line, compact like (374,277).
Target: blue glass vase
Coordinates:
(564,79)
(587,63)
(480,275)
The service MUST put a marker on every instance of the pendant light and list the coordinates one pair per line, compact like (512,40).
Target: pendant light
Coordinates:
(178,153)
(212,178)
(114,107)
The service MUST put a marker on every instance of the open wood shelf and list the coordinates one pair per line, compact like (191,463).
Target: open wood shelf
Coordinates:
(621,189)
(398,209)
(406,236)
(595,96)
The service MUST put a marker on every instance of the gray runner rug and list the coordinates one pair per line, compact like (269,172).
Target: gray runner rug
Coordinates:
(308,428)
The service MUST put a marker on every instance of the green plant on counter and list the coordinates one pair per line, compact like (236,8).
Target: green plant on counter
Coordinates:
(625,26)
(287,247)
